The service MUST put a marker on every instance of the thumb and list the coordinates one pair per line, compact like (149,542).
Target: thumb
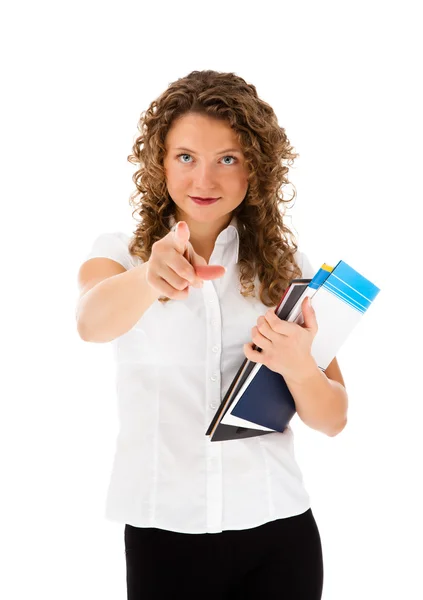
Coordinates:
(309,313)
(183,245)
(195,259)
(202,268)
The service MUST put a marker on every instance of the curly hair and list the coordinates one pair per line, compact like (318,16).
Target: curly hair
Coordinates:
(266,245)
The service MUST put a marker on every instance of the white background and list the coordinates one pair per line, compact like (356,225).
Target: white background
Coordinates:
(343,79)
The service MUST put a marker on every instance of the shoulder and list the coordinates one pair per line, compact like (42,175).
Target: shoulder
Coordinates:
(114,245)
(305,264)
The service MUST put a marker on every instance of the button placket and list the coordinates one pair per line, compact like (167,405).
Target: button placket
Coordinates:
(214,484)
(213,367)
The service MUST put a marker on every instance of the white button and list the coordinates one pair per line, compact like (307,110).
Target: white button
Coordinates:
(213,405)
(213,377)
(215,348)
(213,322)
(211,300)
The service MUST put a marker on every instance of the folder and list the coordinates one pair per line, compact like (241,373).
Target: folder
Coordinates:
(258,401)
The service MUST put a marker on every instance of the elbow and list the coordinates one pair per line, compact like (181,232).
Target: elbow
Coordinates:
(81,332)
(79,324)
(337,431)
(93,336)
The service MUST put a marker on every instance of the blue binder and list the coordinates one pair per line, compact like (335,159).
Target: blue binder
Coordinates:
(258,400)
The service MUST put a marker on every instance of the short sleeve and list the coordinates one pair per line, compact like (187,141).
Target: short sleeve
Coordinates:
(114,246)
(308,270)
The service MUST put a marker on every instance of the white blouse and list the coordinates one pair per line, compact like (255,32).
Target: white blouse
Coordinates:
(173,369)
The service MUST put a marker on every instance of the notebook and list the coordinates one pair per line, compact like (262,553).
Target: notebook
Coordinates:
(258,401)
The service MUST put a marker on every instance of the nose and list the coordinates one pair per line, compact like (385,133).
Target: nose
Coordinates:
(205,177)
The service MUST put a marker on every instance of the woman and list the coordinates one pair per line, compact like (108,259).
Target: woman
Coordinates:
(183,301)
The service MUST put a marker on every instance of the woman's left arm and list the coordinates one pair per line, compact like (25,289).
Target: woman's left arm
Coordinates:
(320,397)
(321,402)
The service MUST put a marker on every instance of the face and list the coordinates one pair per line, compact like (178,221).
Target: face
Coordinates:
(198,162)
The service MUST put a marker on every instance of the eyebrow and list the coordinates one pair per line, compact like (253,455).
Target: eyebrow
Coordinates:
(221,151)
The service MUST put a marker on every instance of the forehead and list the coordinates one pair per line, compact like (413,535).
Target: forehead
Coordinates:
(201,133)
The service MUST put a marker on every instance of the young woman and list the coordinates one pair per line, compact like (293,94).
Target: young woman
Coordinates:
(183,300)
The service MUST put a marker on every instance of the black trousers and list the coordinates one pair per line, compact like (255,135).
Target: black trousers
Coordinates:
(280,559)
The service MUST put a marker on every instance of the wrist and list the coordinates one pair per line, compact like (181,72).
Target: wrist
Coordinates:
(153,293)
(309,371)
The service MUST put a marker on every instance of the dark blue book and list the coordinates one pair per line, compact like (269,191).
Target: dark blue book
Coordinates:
(258,401)
(219,431)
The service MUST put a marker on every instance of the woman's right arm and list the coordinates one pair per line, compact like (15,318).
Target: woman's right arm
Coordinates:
(112,299)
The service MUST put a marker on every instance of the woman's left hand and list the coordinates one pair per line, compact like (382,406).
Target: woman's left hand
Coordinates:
(286,346)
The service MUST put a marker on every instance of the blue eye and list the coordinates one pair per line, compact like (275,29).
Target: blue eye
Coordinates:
(230,157)
(185,154)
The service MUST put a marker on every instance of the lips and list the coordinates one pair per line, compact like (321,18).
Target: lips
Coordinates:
(204,202)
(199,198)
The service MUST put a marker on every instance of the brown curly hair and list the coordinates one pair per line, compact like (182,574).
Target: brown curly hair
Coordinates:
(264,239)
